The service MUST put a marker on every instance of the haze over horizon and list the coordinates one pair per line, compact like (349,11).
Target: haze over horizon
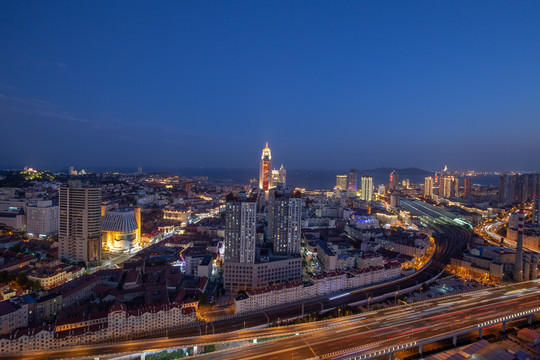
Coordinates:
(329,85)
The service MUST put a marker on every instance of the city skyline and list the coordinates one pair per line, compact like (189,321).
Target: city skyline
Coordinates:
(135,94)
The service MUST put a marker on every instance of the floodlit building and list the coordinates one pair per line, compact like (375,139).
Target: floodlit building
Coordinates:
(428,187)
(367,188)
(265,169)
(121,229)
(394,180)
(341,182)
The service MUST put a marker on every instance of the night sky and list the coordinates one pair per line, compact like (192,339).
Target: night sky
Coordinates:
(330,84)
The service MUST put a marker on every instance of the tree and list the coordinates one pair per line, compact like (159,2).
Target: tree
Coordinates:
(22,279)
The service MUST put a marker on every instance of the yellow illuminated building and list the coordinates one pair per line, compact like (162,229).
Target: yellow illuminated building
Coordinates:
(121,229)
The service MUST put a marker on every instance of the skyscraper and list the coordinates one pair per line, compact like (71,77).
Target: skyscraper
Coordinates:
(394,180)
(450,185)
(428,187)
(265,169)
(279,177)
(518,261)
(284,221)
(282,176)
(536,211)
(240,231)
(79,233)
(367,188)
(518,188)
(353,180)
(467,187)
(341,182)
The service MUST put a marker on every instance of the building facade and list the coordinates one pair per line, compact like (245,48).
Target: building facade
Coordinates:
(284,222)
(42,218)
(79,233)
(367,188)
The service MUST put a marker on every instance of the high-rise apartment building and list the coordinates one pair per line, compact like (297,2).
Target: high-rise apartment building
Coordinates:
(367,188)
(240,230)
(42,218)
(450,186)
(285,222)
(279,177)
(518,188)
(341,182)
(79,232)
(265,169)
(536,211)
(242,269)
(353,180)
(394,180)
(467,187)
(428,187)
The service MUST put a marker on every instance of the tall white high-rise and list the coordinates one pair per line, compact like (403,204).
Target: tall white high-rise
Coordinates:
(367,188)
(285,221)
(79,233)
(428,187)
(240,231)
(265,169)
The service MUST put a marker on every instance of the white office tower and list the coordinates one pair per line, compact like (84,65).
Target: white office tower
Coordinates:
(367,188)
(240,231)
(79,232)
(428,187)
(285,222)
(536,211)
(382,190)
(42,218)
(518,262)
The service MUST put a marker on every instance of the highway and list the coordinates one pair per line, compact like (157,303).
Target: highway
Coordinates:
(356,334)
(490,230)
(395,326)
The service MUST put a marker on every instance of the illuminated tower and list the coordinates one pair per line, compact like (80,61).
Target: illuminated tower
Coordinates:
(428,187)
(394,180)
(341,182)
(265,170)
(367,188)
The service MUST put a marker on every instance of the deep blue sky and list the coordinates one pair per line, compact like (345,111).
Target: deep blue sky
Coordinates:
(330,84)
